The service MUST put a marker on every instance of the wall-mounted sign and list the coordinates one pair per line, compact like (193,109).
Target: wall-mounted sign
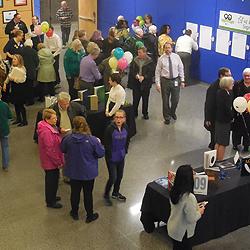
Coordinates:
(235,22)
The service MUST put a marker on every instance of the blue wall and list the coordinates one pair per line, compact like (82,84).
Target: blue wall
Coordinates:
(37,8)
(177,13)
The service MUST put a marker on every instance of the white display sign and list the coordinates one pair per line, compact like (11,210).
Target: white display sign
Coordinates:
(234,21)
(200,184)
(205,41)
(239,45)
(194,28)
(222,41)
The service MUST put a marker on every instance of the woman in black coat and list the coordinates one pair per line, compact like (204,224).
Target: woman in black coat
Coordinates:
(224,116)
(140,80)
(109,43)
(31,62)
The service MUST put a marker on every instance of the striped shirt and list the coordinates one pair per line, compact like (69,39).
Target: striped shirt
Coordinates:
(64,16)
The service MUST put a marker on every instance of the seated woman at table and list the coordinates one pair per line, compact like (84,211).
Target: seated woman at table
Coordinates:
(224,116)
(185,211)
(117,95)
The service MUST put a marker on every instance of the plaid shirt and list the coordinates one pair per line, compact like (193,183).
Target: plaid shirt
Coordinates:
(61,13)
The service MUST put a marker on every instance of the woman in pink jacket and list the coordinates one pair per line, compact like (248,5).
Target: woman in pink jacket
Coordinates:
(51,156)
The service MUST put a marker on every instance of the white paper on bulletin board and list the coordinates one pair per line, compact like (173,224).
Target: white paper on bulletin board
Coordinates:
(194,28)
(239,45)
(222,41)
(205,41)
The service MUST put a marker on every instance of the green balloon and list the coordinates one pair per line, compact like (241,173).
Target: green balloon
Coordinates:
(139,18)
(139,44)
(141,23)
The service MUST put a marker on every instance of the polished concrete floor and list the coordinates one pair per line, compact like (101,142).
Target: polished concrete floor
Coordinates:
(27,224)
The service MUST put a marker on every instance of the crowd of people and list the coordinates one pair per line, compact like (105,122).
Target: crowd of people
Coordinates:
(64,137)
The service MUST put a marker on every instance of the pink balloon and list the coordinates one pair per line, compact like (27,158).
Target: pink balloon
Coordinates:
(122,63)
(38,30)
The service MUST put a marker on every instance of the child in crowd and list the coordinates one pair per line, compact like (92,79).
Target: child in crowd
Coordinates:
(116,141)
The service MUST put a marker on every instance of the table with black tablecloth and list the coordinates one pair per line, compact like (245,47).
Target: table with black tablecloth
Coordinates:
(228,207)
(98,122)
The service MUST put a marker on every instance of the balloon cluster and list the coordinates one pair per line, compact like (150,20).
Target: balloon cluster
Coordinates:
(120,59)
(139,21)
(242,104)
(43,28)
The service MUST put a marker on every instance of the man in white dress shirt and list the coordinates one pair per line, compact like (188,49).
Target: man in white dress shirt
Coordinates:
(54,43)
(184,46)
(169,78)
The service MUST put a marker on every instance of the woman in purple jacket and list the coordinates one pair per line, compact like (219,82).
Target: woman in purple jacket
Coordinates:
(116,141)
(82,151)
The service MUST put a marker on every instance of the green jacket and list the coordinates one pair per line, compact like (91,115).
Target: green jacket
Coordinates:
(5,115)
(72,61)
(46,71)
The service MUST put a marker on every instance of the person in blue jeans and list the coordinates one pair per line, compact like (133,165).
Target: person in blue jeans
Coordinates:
(116,142)
(5,115)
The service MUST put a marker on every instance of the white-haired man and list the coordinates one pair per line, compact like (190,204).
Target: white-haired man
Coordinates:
(241,88)
(66,111)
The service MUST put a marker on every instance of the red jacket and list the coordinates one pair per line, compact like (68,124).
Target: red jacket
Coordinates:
(49,141)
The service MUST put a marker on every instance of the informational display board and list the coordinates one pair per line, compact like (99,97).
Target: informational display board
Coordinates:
(194,28)
(222,41)
(234,22)
(239,43)
(205,40)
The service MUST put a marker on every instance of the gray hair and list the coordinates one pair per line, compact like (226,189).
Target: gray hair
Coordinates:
(63,96)
(246,71)
(226,82)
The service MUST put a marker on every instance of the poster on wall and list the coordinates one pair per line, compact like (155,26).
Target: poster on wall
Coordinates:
(234,22)
(194,28)
(205,40)
(1,3)
(8,15)
(239,43)
(20,2)
(222,41)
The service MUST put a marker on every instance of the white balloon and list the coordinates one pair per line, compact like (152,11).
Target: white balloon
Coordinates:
(129,57)
(240,104)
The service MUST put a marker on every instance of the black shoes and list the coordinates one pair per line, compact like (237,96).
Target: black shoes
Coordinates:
(74,215)
(174,116)
(22,124)
(16,122)
(145,117)
(167,122)
(119,197)
(58,198)
(55,205)
(92,217)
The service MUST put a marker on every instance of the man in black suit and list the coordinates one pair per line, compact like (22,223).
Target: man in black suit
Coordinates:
(15,24)
(210,104)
